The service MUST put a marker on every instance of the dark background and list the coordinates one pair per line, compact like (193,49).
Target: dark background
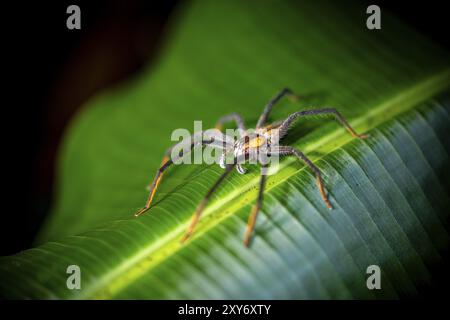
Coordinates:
(49,71)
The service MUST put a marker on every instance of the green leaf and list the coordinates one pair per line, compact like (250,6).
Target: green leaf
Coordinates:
(390,192)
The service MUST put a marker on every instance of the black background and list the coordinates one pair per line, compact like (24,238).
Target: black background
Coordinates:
(44,70)
(49,71)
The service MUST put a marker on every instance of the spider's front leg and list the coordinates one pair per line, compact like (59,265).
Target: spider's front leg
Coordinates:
(242,132)
(232,117)
(268,107)
(166,162)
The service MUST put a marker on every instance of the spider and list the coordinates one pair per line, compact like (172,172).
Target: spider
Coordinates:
(241,151)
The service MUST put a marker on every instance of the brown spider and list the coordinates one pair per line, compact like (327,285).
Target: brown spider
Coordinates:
(245,148)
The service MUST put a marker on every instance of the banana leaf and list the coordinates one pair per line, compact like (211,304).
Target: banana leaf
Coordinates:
(390,192)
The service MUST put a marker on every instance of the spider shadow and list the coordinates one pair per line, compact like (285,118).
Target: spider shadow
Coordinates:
(276,216)
(197,171)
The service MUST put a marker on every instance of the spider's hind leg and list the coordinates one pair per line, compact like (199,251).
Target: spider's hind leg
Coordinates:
(326,111)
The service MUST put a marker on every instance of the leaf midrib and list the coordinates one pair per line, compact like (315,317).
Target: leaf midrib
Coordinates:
(135,266)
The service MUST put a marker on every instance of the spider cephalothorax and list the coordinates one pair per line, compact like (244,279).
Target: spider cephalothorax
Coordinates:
(249,148)
(256,147)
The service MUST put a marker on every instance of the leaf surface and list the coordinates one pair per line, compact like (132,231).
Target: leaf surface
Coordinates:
(390,192)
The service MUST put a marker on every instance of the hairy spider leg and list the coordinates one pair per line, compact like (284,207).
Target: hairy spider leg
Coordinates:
(273,125)
(201,206)
(265,114)
(327,111)
(287,150)
(192,138)
(232,117)
(166,162)
(255,210)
